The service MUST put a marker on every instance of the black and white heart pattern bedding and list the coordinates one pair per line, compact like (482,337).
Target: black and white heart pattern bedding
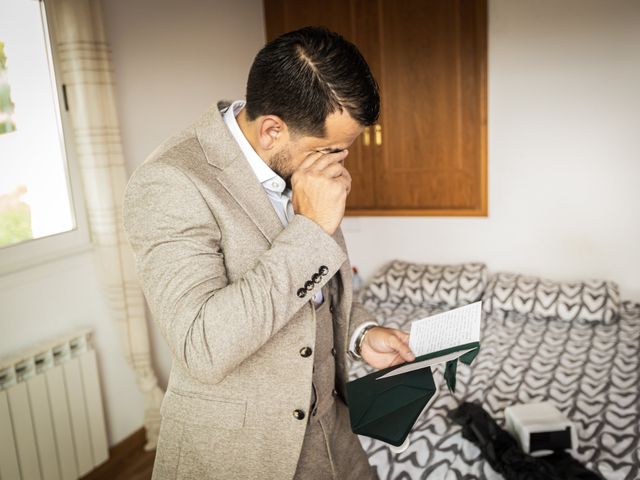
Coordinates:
(428,284)
(596,301)
(591,372)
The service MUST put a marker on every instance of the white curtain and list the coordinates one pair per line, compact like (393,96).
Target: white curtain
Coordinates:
(84,57)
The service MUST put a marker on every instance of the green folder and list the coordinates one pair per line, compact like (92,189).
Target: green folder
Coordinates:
(386,404)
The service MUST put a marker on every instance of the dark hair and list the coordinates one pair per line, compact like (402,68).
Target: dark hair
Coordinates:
(305,75)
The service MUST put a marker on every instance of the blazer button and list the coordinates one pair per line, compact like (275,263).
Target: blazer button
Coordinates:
(316,278)
(309,285)
(305,352)
(323,270)
(298,414)
(301,292)
(333,352)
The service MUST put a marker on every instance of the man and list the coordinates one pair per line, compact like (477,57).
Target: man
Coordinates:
(235,227)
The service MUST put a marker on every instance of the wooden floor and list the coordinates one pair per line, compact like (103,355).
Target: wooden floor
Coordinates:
(127,461)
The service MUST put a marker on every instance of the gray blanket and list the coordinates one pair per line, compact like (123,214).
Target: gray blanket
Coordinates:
(590,372)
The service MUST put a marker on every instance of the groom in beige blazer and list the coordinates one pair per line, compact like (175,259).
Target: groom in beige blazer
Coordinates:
(234,224)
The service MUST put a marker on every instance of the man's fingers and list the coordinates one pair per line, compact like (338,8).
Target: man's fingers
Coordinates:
(397,360)
(402,348)
(404,336)
(326,159)
(329,159)
(334,170)
(338,173)
(346,174)
(345,183)
(310,160)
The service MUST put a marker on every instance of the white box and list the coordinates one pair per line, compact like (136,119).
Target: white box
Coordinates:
(540,428)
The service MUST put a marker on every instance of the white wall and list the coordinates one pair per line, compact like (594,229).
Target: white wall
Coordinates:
(172,60)
(43,302)
(564,194)
(564,152)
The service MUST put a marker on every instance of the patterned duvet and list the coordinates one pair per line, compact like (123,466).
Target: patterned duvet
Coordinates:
(590,372)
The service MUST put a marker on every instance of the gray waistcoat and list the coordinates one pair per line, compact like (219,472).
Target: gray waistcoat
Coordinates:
(324,365)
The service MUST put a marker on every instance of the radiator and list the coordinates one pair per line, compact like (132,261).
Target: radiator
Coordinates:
(51,416)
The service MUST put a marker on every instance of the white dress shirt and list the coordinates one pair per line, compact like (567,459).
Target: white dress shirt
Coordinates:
(275,188)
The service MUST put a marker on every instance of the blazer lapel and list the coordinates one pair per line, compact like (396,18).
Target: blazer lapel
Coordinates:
(346,282)
(236,175)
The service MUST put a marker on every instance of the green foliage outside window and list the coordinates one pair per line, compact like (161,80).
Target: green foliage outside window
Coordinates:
(15,225)
(6,105)
(15,218)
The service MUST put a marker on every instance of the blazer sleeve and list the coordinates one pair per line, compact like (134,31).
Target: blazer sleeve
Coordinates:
(210,324)
(358,315)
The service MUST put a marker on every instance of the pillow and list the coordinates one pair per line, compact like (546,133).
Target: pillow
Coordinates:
(589,301)
(427,285)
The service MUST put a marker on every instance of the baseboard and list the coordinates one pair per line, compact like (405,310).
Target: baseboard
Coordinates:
(124,454)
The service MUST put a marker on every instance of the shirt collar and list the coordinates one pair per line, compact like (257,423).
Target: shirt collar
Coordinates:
(267,177)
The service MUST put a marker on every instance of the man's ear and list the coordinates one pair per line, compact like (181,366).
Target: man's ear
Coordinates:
(272,132)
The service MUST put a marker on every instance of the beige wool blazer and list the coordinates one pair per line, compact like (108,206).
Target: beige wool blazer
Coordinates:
(222,278)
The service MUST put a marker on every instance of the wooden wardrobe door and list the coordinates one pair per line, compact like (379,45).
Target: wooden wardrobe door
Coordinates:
(429,57)
(433,56)
(357,24)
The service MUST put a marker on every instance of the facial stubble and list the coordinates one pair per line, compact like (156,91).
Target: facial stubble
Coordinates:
(280,163)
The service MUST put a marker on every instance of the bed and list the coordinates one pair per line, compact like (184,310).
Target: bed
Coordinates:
(589,370)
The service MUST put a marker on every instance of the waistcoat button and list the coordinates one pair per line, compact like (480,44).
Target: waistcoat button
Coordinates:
(301,292)
(323,270)
(305,352)
(298,414)
(309,285)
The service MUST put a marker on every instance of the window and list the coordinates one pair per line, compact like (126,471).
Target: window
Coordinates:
(36,178)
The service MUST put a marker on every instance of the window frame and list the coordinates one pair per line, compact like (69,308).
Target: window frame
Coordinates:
(35,252)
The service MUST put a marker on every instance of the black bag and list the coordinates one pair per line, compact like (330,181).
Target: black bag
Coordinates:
(503,453)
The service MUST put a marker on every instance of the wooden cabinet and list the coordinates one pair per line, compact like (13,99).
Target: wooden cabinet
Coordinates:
(428,153)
